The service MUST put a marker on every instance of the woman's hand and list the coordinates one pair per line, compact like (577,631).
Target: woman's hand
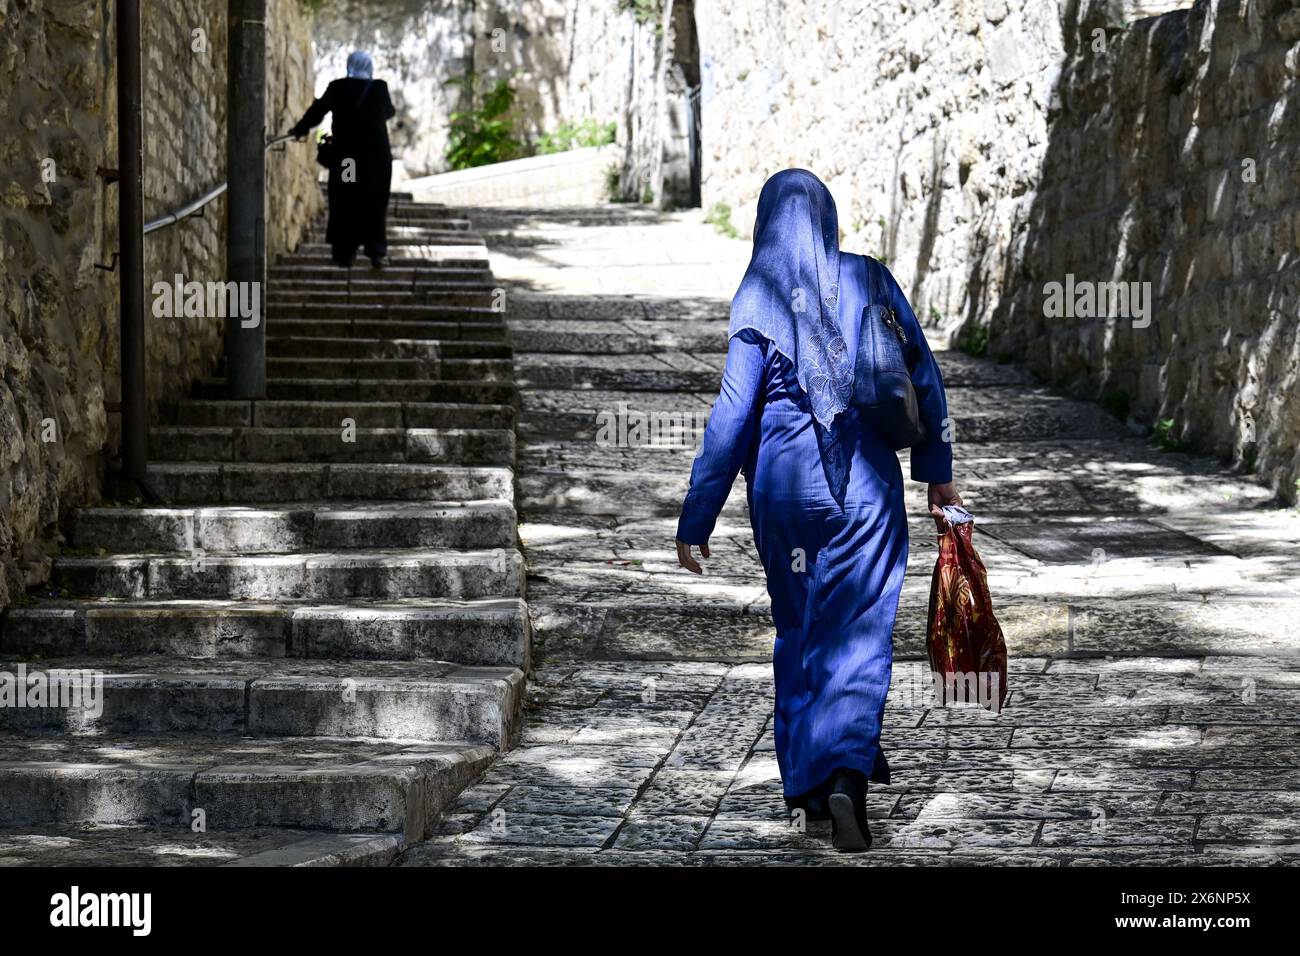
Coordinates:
(687,560)
(939,496)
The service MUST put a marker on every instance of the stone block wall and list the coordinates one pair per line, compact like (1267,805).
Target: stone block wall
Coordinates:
(293,196)
(58,313)
(985,148)
(1174,161)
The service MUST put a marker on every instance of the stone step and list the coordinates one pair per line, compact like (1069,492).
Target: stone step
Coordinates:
(406,369)
(488,631)
(476,336)
(661,372)
(456,246)
(308,575)
(88,844)
(280,345)
(314,414)
(434,258)
(380,290)
(432,232)
(415,214)
(432,445)
(293,527)
(373,390)
(626,337)
(284,301)
(257,482)
(411,275)
(357,311)
(369,786)
(404,700)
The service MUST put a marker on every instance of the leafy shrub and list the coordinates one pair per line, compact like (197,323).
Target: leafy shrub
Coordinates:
(614,183)
(976,341)
(484,133)
(577,136)
(644,11)
(1165,438)
(719,217)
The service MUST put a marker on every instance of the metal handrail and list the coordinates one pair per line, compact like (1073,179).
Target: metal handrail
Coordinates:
(197,206)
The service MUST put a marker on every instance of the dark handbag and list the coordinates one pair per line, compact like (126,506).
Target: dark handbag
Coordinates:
(327,151)
(882,383)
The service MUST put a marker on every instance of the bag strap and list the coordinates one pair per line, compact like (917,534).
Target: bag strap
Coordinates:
(361,99)
(873,281)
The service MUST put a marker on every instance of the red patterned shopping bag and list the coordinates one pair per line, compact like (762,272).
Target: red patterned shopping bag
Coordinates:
(968,656)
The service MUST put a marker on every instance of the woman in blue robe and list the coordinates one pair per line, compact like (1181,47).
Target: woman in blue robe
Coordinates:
(825,492)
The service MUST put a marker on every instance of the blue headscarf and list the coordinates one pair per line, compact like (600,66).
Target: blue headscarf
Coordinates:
(361,66)
(790,292)
(791,296)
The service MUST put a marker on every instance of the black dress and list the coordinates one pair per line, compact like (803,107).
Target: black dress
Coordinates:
(360,179)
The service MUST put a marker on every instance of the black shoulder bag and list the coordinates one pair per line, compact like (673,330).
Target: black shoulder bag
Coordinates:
(882,383)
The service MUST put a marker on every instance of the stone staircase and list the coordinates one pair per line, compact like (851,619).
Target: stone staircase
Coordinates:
(323,624)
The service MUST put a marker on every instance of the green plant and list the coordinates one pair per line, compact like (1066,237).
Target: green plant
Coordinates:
(975,341)
(613,183)
(577,136)
(484,133)
(644,11)
(312,6)
(1249,459)
(1165,437)
(719,217)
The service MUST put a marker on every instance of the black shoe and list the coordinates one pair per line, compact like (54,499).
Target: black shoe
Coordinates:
(847,803)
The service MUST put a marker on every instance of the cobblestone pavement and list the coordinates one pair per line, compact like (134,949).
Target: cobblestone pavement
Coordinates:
(1147,598)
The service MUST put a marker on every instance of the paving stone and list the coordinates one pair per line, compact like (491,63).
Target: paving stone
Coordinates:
(587,832)
(565,801)
(660,832)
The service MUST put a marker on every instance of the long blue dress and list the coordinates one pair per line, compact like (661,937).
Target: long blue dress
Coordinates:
(833,573)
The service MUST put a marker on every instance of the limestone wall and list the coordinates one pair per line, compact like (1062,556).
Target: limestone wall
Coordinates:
(985,148)
(1175,161)
(58,313)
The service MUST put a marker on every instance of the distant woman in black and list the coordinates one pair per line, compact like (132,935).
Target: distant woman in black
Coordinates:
(361,169)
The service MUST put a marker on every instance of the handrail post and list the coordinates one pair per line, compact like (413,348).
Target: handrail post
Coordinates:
(246,201)
(130,204)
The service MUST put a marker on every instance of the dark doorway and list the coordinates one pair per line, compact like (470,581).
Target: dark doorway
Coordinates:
(683,151)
